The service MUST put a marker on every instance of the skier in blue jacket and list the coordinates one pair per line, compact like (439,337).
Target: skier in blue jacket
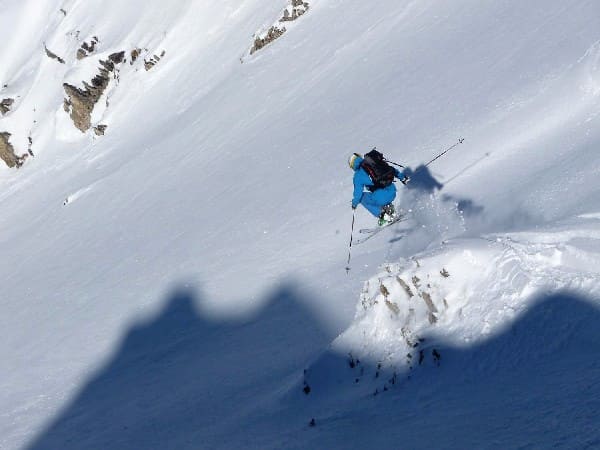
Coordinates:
(379,201)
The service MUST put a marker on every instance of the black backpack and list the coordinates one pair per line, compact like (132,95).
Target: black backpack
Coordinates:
(381,173)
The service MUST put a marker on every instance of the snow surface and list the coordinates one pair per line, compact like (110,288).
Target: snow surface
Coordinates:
(180,283)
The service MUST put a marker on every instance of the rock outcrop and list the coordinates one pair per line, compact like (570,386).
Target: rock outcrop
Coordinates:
(296,9)
(87,49)
(149,64)
(7,152)
(135,54)
(81,102)
(5,105)
(53,55)
(100,129)
(260,42)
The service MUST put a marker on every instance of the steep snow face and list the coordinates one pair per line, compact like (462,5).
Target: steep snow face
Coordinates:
(226,170)
(467,290)
(489,341)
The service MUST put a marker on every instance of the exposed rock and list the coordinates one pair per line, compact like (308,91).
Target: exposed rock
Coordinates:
(87,49)
(135,54)
(63,11)
(118,58)
(291,13)
(149,64)
(30,141)
(53,55)
(81,102)
(5,105)
(7,152)
(260,42)
(392,307)
(100,129)
(405,287)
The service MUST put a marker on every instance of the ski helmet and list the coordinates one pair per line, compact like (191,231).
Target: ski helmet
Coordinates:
(352,159)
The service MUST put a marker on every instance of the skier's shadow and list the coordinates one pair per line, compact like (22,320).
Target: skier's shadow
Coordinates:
(422,181)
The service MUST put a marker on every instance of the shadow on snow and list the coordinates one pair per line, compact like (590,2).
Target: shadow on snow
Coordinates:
(422,181)
(180,379)
(533,385)
(183,381)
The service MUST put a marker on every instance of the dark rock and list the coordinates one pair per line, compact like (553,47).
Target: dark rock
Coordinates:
(117,58)
(149,64)
(100,129)
(5,105)
(273,33)
(81,102)
(87,49)
(135,54)
(53,55)
(299,8)
(436,356)
(7,152)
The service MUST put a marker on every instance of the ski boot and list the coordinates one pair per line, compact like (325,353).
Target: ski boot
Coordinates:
(388,214)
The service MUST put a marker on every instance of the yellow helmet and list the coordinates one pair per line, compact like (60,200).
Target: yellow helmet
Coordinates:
(352,159)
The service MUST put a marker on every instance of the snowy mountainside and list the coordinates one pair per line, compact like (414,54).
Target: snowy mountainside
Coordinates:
(473,343)
(433,292)
(224,173)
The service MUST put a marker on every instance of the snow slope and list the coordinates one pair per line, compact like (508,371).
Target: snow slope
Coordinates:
(167,284)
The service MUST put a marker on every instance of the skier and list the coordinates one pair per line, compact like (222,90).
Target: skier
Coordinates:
(373,185)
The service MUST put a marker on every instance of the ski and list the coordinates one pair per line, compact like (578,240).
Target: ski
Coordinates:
(378,228)
(370,232)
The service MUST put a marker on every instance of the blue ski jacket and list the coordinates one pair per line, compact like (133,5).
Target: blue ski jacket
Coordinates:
(362,181)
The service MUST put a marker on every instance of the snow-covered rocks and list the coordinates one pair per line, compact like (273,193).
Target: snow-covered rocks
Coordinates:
(468,289)
(7,152)
(292,12)
(50,54)
(81,102)
(86,48)
(152,61)
(5,105)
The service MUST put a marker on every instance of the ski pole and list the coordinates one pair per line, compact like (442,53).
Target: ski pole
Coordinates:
(395,164)
(351,235)
(460,141)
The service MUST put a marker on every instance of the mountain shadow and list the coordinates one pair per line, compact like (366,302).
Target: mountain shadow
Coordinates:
(178,380)
(181,381)
(535,385)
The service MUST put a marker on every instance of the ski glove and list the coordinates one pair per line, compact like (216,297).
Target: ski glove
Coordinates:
(405,180)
